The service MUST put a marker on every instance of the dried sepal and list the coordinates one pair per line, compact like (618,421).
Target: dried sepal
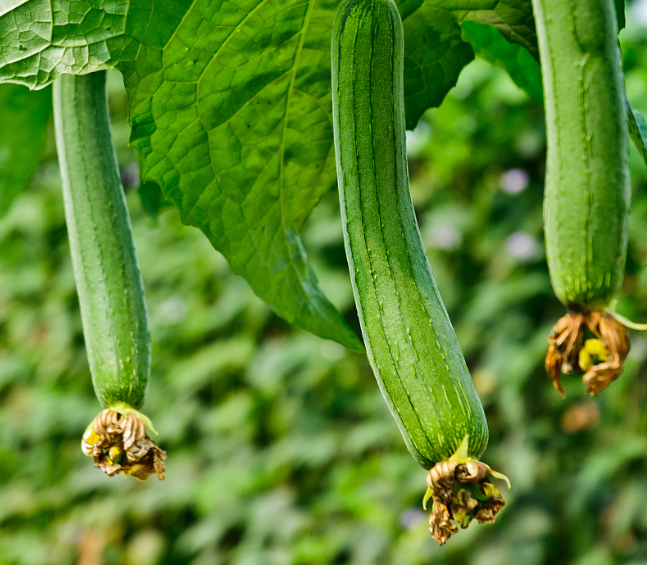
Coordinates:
(568,352)
(118,443)
(461,491)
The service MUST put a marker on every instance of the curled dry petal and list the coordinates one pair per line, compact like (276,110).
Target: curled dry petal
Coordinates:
(440,480)
(462,506)
(471,472)
(489,508)
(440,525)
(566,342)
(615,338)
(118,443)
(452,488)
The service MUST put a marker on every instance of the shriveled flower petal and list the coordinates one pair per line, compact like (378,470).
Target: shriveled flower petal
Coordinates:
(441,527)
(491,507)
(440,480)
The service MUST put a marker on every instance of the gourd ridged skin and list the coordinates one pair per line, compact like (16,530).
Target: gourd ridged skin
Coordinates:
(587,196)
(409,338)
(108,280)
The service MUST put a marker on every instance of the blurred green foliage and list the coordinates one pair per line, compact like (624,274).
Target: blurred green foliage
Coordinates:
(280,447)
(24,116)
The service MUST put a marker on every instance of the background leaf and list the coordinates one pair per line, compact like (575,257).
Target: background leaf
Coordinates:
(24,116)
(152,198)
(522,67)
(513,18)
(435,52)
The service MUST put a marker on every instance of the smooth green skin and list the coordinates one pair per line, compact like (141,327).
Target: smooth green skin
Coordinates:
(109,284)
(587,197)
(410,341)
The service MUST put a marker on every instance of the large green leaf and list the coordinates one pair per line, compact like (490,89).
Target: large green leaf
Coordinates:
(24,116)
(231,109)
(44,38)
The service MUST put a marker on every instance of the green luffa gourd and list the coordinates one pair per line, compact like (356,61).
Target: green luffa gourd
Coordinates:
(587,195)
(109,283)
(410,341)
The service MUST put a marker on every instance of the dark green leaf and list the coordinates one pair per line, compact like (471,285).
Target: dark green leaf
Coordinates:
(24,116)
(513,18)
(522,67)
(152,198)
(620,13)
(435,54)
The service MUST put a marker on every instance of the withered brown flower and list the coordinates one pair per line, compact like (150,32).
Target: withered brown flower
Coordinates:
(461,491)
(118,443)
(568,351)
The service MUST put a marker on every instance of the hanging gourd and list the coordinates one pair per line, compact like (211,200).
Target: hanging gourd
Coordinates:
(409,338)
(587,195)
(109,284)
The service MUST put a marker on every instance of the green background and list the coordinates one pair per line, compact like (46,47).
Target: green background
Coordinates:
(280,448)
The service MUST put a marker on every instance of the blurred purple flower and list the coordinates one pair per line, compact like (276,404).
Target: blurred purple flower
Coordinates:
(444,236)
(521,245)
(411,518)
(130,175)
(514,181)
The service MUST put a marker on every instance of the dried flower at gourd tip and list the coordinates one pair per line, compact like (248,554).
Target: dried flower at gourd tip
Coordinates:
(118,443)
(461,492)
(600,359)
